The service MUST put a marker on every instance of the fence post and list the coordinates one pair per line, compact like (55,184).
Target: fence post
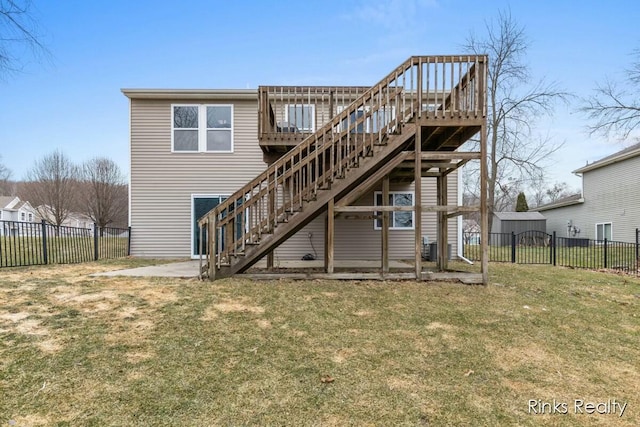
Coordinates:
(553,248)
(637,250)
(45,254)
(605,252)
(513,247)
(95,241)
(129,242)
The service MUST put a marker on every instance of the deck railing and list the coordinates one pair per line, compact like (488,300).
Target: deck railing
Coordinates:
(433,87)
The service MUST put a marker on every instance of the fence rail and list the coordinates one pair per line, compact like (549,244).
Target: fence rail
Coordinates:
(536,247)
(32,243)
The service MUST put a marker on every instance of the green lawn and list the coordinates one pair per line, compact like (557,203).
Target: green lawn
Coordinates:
(619,255)
(28,250)
(78,350)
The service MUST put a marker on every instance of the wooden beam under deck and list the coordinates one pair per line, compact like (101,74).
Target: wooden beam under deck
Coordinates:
(463,277)
(425,208)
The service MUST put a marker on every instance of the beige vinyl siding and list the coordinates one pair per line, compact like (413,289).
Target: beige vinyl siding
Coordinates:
(162,182)
(611,194)
(162,185)
(357,239)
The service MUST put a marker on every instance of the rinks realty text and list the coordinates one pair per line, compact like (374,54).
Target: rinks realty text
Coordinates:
(578,406)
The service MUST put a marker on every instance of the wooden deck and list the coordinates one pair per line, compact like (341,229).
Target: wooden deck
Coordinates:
(327,146)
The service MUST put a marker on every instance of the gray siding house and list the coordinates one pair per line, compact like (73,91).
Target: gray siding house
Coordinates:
(609,206)
(190,149)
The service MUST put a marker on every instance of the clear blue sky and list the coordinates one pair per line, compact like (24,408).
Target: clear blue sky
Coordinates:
(73,102)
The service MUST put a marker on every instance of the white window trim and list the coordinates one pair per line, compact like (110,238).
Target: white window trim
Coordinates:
(313,116)
(603,224)
(202,129)
(413,213)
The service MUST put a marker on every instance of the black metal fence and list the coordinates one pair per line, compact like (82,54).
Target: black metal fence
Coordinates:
(536,247)
(32,243)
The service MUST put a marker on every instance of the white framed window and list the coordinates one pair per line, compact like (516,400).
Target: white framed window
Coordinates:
(399,220)
(604,230)
(23,216)
(202,128)
(302,116)
(30,217)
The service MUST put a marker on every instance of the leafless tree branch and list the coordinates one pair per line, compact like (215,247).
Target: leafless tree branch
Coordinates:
(515,155)
(19,33)
(51,187)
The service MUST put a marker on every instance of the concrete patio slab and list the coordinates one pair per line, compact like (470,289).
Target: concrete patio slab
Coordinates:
(184,269)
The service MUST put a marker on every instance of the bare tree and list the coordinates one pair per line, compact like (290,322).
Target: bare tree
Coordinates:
(5,175)
(542,192)
(516,155)
(18,33)
(558,191)
(105,196)
(614,110)
(52,187)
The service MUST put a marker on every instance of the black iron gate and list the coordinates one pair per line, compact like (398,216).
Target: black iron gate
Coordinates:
(532,247)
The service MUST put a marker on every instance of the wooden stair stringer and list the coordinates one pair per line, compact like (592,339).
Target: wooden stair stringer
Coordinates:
(312,209)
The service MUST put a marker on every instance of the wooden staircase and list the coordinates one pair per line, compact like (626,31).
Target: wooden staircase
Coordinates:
(368,138)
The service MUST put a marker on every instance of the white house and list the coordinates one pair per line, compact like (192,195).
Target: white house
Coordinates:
(14,213)
(609,205)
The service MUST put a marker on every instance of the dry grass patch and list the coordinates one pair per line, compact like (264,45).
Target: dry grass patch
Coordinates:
(242,305)
(141,351)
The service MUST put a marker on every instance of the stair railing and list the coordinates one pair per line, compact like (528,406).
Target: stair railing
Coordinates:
(435,87)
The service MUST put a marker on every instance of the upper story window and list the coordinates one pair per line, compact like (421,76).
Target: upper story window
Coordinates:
(30,217)
(202,128)
(398,220)
(23,216)
(302,116)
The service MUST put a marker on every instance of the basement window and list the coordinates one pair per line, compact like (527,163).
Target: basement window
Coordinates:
(399,220)
(202,128)
(604,231)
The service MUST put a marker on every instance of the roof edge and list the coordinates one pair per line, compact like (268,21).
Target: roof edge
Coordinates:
(613,159)
(560,204)
(190,93)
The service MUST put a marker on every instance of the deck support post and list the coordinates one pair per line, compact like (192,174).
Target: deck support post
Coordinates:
(212,234)
(385,225)
(443,238)
(418,203)
(271,209)
(329,237)
(270,260)
(484,214)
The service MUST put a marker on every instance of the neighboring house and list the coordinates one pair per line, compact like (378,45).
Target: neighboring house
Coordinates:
(12,212)
(73,219)
(609,206)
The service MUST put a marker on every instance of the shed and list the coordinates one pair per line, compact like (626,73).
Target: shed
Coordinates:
(518,222)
